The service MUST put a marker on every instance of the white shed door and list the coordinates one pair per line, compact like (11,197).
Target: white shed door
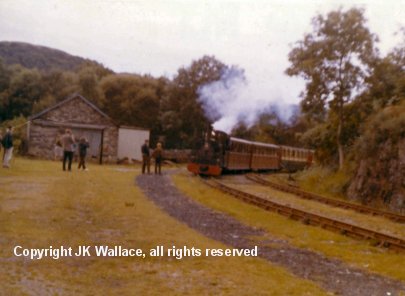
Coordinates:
(130,142)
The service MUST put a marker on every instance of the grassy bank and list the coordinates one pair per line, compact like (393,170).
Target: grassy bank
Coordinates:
(355,252)
(41,206)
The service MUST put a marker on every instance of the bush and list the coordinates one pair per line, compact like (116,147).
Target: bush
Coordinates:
(325,180)
(389,124)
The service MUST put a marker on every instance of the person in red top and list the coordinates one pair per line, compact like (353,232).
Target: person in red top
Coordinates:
(158,156)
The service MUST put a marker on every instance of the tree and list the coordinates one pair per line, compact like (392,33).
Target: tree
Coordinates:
(25,88)
(4,85)
(334,60)
(132,99)
(183,117)
(89,85)
(387,82)
(269,127)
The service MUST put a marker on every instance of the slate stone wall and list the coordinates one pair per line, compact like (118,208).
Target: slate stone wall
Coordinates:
(42,136)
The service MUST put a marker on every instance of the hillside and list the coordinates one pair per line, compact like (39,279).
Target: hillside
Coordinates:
(35,56)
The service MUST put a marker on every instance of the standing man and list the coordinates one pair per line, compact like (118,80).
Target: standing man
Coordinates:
(158,155)
(67,143)
(145,157)
(8,147)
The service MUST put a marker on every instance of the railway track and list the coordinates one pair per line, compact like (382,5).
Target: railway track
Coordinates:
(312,219)
(329,201)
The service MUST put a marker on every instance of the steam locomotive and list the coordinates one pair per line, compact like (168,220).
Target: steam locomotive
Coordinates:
(218,152)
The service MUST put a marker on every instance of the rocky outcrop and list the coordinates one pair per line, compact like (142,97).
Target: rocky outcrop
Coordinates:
(380,179)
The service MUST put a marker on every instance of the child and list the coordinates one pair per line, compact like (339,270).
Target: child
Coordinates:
(58,149)
(83,145)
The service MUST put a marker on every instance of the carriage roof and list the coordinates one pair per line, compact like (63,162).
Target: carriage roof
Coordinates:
(260,144)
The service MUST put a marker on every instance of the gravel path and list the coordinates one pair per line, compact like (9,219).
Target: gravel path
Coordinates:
(333,275)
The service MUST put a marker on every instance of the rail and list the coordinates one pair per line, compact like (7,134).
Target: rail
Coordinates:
(329,201)
(312,219)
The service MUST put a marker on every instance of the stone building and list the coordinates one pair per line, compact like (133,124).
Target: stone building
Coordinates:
(83,118)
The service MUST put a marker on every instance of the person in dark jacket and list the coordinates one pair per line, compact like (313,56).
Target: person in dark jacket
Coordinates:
(145,157)
(7,143)
(83,146)
(158,156)
(67,143)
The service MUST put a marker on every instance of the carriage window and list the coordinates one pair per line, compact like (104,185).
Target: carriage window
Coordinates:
(237,147)
(245,148)
(241,147)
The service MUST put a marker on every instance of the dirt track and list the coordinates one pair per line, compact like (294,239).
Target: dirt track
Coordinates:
(333,275)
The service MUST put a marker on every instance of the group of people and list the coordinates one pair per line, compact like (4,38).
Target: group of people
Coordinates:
(146,156)
(6,142)
(68,143)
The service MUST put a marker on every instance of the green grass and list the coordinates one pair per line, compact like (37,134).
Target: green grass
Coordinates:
(324,181)
(41,206)
(376,223)
(355,252)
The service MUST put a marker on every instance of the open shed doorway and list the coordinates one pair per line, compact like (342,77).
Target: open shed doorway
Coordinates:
(94,137)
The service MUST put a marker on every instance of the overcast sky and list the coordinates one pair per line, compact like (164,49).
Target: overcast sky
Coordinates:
(158,37)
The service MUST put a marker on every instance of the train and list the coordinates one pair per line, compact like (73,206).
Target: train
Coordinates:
(218,153)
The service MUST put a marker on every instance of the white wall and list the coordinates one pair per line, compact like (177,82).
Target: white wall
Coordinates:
(130,141)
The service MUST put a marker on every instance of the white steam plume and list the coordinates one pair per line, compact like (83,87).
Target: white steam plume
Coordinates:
(232,99)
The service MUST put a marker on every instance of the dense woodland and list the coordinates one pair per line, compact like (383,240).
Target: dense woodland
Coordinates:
(352,107)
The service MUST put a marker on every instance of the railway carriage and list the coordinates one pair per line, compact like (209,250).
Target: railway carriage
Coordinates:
(265,157)
(219,152)
(293,158)
(238,154)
